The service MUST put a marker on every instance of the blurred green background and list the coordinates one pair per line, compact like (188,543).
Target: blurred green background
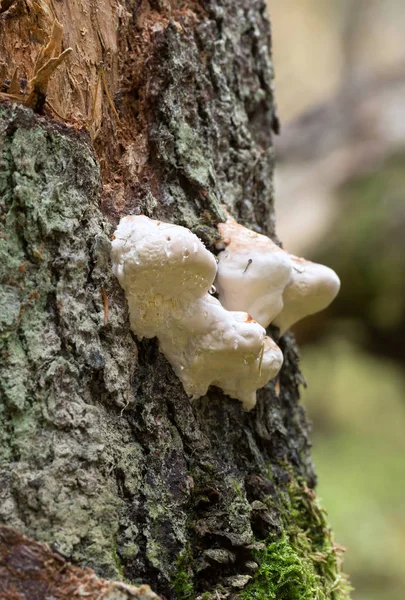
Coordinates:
(340,190)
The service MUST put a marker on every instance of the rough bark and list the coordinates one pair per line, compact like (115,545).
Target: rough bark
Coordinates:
(103,455)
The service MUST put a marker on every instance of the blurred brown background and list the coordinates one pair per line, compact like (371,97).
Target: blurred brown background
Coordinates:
(340,188)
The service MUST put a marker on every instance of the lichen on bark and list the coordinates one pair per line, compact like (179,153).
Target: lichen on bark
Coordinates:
(62,370)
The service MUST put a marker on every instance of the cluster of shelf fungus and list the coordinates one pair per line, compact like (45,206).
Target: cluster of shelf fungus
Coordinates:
(168,276)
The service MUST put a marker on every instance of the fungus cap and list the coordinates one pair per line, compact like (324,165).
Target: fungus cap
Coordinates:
(312,289)
(223,348)
(252,272)
(161,258)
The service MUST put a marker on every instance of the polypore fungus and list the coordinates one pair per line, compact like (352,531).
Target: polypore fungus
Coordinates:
(255,275)
(313,288)
(166,273)
(252,272)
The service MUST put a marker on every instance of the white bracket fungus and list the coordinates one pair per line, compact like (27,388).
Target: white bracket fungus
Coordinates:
(166,273)
(313,288)
(273,286)
(252,272)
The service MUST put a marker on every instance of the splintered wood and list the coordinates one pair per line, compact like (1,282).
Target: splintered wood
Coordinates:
(47,62)
(49,58)
(51,55)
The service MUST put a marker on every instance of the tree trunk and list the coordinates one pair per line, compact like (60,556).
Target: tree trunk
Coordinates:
(170,113)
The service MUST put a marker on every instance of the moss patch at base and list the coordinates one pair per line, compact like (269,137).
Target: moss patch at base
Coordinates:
(182,580)
(304,563)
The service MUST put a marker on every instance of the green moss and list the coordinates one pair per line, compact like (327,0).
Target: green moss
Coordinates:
(304,563)
(182,578)
(120,566)
(283,573)
(118,563)
(237,489)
